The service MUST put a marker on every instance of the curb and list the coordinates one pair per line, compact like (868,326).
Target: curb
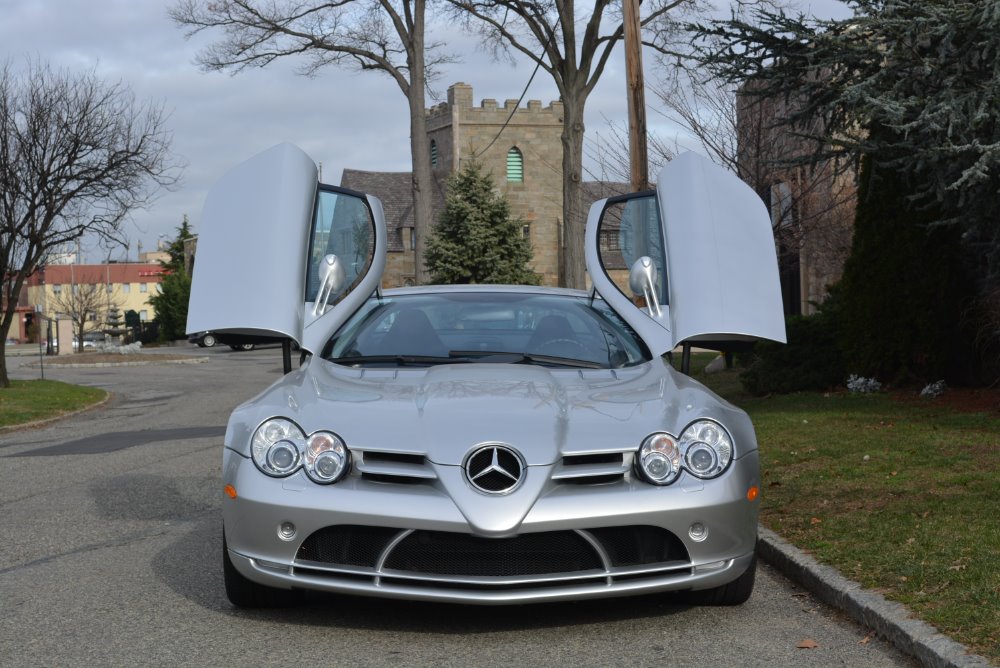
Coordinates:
(890,620)
(58,365)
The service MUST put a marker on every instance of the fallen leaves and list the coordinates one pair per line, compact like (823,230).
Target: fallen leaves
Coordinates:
(808,643)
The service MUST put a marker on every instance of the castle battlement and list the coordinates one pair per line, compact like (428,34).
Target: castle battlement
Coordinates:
(490,111)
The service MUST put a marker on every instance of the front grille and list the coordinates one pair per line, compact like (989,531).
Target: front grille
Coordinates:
(639,545)
(444,553)
(346,544)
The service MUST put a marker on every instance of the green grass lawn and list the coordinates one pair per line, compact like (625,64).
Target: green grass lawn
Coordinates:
(30,400)
(898,493)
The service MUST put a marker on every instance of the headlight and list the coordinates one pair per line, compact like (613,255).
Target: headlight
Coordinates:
(660,459)
(707,447)
(704,449)
(276,447)
(326,457)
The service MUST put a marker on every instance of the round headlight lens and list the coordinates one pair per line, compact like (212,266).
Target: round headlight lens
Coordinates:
(275,447)
(660,459)
(701,459)
(326,458)
(707,447)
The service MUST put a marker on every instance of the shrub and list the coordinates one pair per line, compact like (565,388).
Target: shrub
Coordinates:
(811,360)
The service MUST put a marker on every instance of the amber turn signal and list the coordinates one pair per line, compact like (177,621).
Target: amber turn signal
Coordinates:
(752,493)
(230,491)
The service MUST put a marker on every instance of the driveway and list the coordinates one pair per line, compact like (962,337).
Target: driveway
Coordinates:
(111,556)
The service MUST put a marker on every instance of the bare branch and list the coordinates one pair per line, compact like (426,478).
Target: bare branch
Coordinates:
(77,155)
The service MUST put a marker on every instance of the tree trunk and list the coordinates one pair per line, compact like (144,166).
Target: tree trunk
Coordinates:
(420,153)
(572,260)
(4,380)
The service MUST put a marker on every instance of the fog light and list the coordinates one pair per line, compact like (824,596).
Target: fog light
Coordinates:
(713,566)
(286,531)
(698,532)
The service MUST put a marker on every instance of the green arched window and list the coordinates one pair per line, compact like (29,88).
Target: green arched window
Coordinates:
(515,166)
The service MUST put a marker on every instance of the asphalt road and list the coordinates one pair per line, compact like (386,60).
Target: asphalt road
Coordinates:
(110,555)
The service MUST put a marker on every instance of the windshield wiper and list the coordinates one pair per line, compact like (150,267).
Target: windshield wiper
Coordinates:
(399,360)
(504,357)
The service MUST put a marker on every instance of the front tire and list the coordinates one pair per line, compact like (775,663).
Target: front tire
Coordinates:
(208,341)
(736,592)
(244,593)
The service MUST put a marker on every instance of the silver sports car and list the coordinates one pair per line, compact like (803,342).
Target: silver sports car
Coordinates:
(487,444)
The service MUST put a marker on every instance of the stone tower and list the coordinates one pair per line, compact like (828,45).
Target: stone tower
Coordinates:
(521,147)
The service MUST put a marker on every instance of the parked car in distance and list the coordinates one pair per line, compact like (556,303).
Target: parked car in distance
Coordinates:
(203,339)
(485,444)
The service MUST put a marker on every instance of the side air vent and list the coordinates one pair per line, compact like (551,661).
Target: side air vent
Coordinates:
(593,468)
(393,467)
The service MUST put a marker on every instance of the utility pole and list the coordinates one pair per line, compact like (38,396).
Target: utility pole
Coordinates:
(638,161)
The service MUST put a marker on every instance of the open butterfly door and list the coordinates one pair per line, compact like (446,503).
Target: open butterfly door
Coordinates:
(693,262)
(281,255)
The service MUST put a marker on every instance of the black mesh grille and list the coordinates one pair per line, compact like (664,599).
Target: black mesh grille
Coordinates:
(637,545)
(458,554)
(444,553)
(348,545)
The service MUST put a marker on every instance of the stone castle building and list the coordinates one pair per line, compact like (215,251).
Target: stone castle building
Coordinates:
(520,146)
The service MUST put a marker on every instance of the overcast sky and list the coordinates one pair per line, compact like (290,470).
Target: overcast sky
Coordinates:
(341,119)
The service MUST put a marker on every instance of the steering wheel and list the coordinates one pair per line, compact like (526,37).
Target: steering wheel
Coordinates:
(561,345)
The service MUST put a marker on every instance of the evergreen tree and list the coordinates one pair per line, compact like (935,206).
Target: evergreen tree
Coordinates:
(912,86)
(476,240)
(905,288)
(176,247)
(171,303)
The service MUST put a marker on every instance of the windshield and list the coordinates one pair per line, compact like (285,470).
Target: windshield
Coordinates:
(515,328)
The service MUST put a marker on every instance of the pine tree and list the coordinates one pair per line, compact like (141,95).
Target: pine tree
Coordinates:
(476,240)
(171,303)
(905,288)
(912,87)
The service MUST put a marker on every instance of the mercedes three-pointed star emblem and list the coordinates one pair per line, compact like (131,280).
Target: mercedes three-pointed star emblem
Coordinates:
(494,468)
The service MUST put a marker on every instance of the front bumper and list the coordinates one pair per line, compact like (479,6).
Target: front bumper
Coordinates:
(263,504)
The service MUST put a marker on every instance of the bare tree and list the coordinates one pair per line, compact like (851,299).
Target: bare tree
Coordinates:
(811,200)
(77,155)
(378,35)
(87,300)
(547,32)
(609,153)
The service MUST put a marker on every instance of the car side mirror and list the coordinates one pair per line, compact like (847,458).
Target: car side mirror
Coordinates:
(642,282)
(331,282)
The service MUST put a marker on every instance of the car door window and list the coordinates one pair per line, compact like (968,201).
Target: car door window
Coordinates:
(342,226)
(629,229)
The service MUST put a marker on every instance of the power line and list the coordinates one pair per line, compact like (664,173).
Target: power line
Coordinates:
(538,64)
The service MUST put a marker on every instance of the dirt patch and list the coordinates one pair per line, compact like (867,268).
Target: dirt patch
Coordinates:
(959,399)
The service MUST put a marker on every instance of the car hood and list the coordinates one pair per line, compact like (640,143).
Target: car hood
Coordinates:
(444,411)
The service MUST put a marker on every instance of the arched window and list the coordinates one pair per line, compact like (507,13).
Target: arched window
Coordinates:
(515,166)
(434,153)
